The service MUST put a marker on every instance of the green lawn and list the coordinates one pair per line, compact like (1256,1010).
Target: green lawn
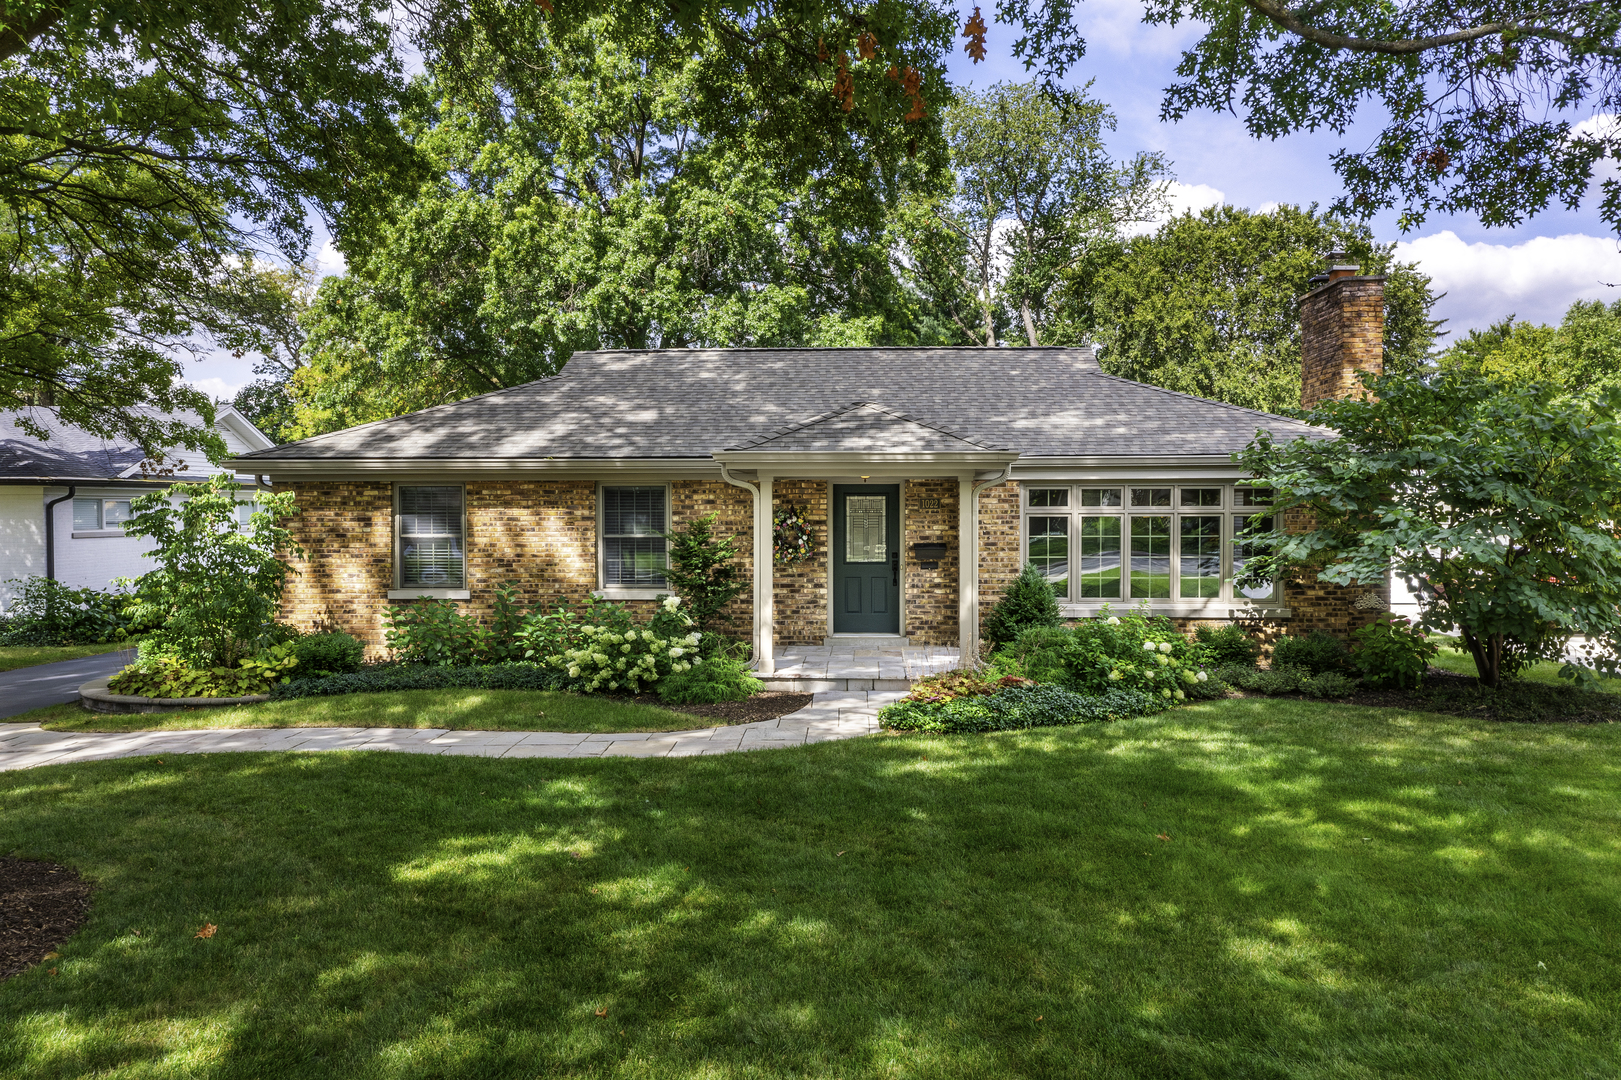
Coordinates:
(489,710)
(1339,892)
(1459,663)
(13,657)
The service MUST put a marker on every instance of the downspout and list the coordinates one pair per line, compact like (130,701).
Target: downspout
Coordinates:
(972,558)
(50,531)
(726,474)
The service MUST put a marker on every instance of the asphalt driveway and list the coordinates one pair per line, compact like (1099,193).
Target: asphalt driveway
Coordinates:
(52,684)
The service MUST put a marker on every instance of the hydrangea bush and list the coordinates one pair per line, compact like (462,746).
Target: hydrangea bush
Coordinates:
(1114,652)
(615,656)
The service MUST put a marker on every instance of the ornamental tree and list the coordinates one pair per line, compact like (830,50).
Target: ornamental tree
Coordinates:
(1497,504)
(704,570)
(217,582)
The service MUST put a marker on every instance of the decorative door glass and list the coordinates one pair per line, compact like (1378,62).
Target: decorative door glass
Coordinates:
(864,524)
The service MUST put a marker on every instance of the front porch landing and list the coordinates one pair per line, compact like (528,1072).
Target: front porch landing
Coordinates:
(816,669)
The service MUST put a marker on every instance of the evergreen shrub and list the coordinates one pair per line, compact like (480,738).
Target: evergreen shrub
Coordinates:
(1038,705)
(320,655)
(710,682)
(383,678)
(1027,601)
(1391,652)
(1317,652)
(1227,645)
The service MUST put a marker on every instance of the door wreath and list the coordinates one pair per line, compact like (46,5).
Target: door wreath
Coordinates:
(795,538)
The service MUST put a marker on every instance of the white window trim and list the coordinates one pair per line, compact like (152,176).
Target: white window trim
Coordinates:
(1230,604)
(604,591)
(399,593)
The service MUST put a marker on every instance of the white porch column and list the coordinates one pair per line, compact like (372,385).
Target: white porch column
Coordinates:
(765,623)
(967,569)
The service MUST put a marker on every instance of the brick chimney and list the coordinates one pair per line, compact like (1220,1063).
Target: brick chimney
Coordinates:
(1342,331)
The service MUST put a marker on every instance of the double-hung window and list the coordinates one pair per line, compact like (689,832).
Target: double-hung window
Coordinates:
(100,515)
(633,523)
(430,538)
(1166,543)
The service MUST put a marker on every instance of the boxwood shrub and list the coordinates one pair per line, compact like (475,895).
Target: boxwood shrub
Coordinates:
(514,675)
(1040,705)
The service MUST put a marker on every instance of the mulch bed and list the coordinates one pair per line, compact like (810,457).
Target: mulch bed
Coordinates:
(41,906)
(767,705)
(1516,702)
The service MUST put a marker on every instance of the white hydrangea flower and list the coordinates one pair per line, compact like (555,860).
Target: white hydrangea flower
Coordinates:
(1180,696)
(1113,620)
(677,653)
(1148,646)
(1165,693)
(1165,646)
(1116,676)
(1203,677)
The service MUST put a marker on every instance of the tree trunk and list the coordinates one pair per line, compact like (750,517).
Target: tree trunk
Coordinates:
(1029,323)
(1488,654)
(990,322)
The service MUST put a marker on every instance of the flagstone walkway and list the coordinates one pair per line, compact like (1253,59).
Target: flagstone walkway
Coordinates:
(839,715)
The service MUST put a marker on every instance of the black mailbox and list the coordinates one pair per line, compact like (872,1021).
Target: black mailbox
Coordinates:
(929,550)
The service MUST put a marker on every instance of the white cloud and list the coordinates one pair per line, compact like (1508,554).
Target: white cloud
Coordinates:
(217,389)
(1182,198)
(1117,26)
(329,261)
(1535,280)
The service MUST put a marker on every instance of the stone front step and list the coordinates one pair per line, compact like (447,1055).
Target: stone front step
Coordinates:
(817,684)
(866,641)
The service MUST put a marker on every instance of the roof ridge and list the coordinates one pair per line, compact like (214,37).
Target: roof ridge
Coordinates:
(1203,400)
(409,415)
(887,410)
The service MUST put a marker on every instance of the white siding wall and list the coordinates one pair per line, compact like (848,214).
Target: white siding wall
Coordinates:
(22,536)
(93,561)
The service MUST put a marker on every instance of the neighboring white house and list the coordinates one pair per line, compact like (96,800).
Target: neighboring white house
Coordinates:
(85,484)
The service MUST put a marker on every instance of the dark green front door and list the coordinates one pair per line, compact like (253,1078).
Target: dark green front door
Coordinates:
(866,546)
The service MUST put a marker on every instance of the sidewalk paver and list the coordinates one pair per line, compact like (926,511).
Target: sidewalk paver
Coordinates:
(845,714)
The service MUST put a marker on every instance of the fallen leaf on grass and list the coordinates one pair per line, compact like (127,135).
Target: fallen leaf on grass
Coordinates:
(207,931)
(1039,1019)
(53,971)
(840,853)
(1161,836)
(51,956)
(603,1011)
(540,714)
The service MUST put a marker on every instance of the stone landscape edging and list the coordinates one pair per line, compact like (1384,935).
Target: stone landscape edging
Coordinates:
(95,697)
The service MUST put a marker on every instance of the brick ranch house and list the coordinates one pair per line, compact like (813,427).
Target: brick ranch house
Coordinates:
(911,464)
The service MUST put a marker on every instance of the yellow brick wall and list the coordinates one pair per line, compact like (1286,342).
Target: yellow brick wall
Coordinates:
(931,595)
(799,592)
(1000,559)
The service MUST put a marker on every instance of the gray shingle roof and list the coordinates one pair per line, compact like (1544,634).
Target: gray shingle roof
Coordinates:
(70,454)
(689,403)
(863,426)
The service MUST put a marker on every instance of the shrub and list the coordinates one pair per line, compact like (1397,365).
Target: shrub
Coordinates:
(1521,702)
(704,569)
(1276,680)
(1109,652)
(383,678)
(1227,645)
(1329,684)
(715,680)
(46,612)
(1317,652)
(1016,707)
(320,655)
(614,656)
(1027,601)
(435,631)
(1390,652)
(948,685)
(176,677)
(216,585)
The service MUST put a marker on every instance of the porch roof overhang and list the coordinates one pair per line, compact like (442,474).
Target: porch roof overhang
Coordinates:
(800,463)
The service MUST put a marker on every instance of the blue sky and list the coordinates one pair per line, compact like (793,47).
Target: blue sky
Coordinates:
(1535,271)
